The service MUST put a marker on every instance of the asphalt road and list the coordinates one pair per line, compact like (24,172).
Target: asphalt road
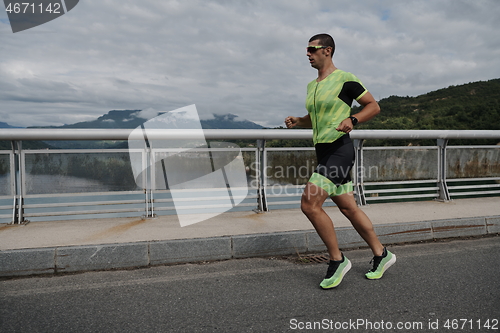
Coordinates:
(432,284)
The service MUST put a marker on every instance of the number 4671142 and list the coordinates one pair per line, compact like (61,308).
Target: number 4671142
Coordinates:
(31,8)
(461,324)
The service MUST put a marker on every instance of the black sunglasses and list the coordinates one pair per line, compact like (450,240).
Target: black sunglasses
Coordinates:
(312,49)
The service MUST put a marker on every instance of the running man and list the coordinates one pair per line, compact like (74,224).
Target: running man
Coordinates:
(328,102)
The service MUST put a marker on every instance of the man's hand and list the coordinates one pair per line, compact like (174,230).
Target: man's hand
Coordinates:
(304,122)
(291,122)
(345,126)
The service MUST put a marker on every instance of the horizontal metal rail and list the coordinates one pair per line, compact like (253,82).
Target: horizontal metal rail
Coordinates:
(399,197)
(78,204)
(472,186)
(84,212)
(473,179)
(81,194)
(230,134)
(404,190)
(401,182)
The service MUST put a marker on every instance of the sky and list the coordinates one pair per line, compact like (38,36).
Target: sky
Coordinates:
(243,57)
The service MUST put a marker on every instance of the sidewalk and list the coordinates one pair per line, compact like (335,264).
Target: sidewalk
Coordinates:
(80,245)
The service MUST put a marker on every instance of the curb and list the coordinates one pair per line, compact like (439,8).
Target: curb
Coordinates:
(55,260)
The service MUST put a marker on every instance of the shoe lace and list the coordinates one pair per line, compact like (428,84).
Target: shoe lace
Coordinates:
(332,268)
(376,261)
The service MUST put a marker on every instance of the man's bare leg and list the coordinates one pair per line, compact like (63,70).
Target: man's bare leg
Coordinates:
(348,206)
(312,206)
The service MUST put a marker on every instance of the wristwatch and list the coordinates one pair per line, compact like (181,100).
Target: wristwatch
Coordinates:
(354,120)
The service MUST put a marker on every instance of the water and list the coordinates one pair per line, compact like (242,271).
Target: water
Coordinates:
(69,191)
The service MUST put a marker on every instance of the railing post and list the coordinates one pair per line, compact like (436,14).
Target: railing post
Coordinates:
(261,176)
(443,194)
(18,205)
(150,187)
(358,172)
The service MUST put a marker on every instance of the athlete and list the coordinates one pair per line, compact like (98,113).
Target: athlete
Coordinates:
(328,102)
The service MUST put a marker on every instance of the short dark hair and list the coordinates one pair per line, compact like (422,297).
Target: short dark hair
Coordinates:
(324,40)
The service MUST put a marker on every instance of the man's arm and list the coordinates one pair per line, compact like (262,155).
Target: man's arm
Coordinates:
(369,111)
(304,122)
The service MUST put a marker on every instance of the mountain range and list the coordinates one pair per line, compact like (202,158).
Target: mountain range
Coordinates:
(471,106)
(130,119)
(5,125)
(127,119)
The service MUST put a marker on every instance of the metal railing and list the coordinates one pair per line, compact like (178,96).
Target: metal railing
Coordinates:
(380,174)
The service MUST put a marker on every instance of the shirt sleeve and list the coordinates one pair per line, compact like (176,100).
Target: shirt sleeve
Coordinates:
(352,90)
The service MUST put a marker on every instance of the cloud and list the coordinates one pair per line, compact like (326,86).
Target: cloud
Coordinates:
(207,116)
(241,57)
(146,113)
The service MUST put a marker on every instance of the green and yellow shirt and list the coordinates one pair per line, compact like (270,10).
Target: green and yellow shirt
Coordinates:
(329,102)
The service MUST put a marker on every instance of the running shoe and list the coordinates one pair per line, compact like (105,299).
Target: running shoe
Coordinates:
(335,273)
(380,265)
